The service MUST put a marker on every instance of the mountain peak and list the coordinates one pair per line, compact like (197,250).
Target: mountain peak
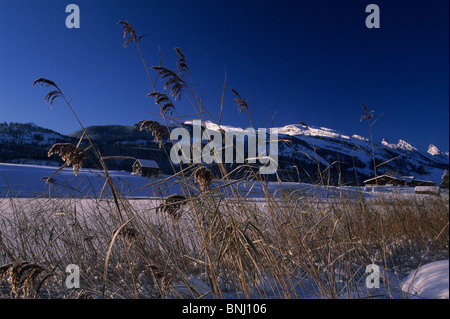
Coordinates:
(405,145)
(433,150)
(401,144)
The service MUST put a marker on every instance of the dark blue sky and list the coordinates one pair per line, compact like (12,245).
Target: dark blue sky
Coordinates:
(310,61)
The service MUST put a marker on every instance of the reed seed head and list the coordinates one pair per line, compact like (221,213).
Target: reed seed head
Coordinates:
(70,154)
(52,95)
(157,130)
(181,63)
(367,115)
(172,206)
(164,103)
(128,235)
(240,102)
(174,81)
(204,177)
(129,33)
(45,82)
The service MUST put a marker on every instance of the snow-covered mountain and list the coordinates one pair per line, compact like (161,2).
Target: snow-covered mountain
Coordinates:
(28,133)
(354,154)
(28,143)
(348,158)
(307,153)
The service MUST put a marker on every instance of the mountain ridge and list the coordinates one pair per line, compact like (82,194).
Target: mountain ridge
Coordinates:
(305,153)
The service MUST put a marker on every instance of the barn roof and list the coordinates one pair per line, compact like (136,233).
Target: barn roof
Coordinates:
(378,177)
(147,163)
(407,179)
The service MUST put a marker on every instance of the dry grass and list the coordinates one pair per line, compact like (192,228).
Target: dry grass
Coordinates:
(288,248)
(23,276)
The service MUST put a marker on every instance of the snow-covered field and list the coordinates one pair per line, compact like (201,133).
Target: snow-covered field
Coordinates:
(18,180)
(21,182)
(429,281)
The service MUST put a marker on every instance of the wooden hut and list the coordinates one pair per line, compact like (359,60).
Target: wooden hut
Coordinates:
(388,180)
(385,180)
(146,168)
(417,182)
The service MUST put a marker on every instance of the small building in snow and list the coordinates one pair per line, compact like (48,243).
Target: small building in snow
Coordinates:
(385,180)
(388,180)
(146,168)
(417,182)
(427,190)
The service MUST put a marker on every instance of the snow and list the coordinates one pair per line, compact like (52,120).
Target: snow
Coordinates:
(19,180)
(387,144)
(400,145)
(429,281)
(433,150)
(292,130)
(298,129)
(148,163)
(361,138)
(215,127)
(431,190)
(405,145)
(26,181)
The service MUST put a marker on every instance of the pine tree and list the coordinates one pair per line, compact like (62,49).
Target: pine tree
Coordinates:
(444,182)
